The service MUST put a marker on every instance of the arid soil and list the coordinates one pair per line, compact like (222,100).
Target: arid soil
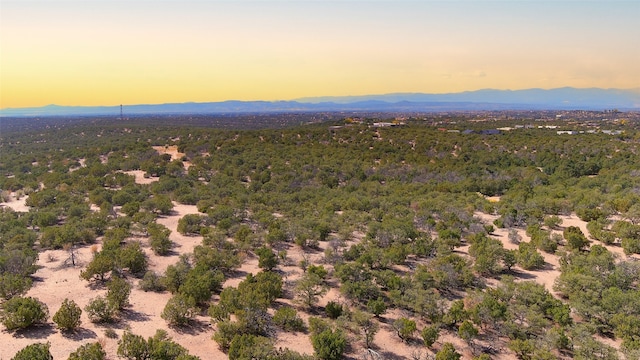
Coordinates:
(173,151)
(16,204)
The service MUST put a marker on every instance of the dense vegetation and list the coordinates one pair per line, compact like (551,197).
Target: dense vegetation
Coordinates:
(390,206)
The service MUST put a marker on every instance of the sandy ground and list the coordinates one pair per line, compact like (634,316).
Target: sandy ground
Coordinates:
(546,276)
(18,205)
(139,177)
(173,151)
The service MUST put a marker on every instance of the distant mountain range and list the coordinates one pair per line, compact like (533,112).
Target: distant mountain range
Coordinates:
(531,99)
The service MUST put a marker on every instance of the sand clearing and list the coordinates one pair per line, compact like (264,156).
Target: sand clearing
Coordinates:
(546,276)
(173,151)
(18,205)
(139,177)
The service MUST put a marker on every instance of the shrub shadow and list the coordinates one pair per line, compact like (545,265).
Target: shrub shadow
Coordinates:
(79,334)
(133,315)
(194,327)
(36,332)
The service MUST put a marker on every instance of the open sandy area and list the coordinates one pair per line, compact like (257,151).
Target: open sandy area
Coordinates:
(139,177)
(173,151)
(16,204)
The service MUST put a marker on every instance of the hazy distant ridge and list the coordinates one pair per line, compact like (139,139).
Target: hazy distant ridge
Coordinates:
(489,99)
(566,96)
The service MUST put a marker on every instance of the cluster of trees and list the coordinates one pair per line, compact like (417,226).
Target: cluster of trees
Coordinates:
(412,191)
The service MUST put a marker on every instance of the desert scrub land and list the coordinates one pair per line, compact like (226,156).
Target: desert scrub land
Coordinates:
(423,238)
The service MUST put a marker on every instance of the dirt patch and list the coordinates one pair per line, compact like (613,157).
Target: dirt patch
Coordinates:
(18,205)
(173,151)
(140,178)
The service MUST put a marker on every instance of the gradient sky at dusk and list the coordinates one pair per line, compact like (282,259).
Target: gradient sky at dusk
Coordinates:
(109,52)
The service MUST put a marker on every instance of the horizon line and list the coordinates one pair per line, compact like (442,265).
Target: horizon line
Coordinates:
(298,99)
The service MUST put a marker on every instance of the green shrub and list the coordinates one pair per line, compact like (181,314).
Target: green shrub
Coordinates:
(132,257)
(318,325)
(552,221)
(100,310)
(318,270)
(575,238)
(159,239)
(13,284)
(430,335)
(151,281)
(200,283)
(23,312)
(267,259)
(110,333)
(329,344)
(38,351)
(333,309)
(225,332)
(287,318)
(176,274)
(247,346)
(118,290)
(377,306)
(528,257)
(179,311)
(133,347)
(467,331)
(92,351)
(68,316)
(101,264)
(190,224)
(405,328)
(448,352)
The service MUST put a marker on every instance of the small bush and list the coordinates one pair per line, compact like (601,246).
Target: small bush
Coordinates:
(552,221)
(133,258)
(13,284)
(287,318)
(92,351)
(575,238)
(38,351)
(68,316)
(225,332)
(528,257)
(247,346)
(100,310)
(333,309)
(430,335)
(159,239)
(118,290)
(151,281)
(377,306)
(329,344)
(405,328)
(448,352)
(318,325)
(20,313)
(133,347)
(179,311)
(267,259)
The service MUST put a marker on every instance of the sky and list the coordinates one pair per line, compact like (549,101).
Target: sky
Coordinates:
(110,52)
